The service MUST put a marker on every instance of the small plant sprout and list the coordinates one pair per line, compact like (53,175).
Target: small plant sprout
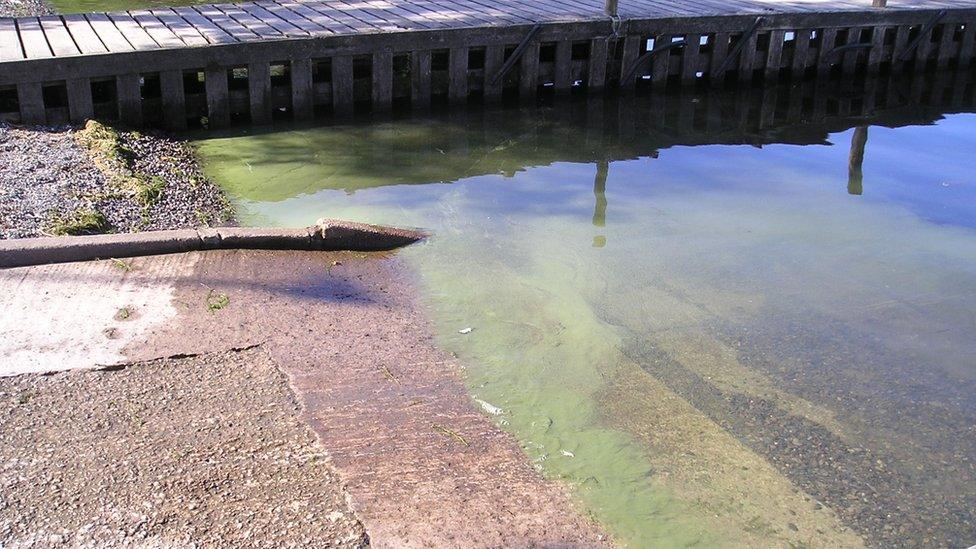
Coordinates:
(216,302)
(122,265)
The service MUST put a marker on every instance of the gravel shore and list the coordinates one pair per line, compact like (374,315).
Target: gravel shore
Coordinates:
(51,183)
(204,451)
(21,8)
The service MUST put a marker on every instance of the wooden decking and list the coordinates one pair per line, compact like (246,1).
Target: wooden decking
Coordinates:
(253,61)
(56,36)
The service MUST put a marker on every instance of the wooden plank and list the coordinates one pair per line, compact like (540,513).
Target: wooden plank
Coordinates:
(252,23)
(563,79)
(967,45)
(107,32)
(774,55)
(342,85)
(901,40)
(747,58)
(801,52)
(343,17)
(10,49)
(187,33)
(218,103)
(276,22)
(292,18)
(133,32)
(155,28)
(659,63)
(946,45)
(824,59)
(302,92)
(33,39)
(83,34)
(225,23)
(173,99)
(58,36)
(382,88)
(631,51)
(420,78)
(327,24)
(494,58)
(129,96)
(210,30)
(80,107)
(259,92)
(596,66)
(690,58)
(849,58)
(529,71)
(30,97)
(720,50)
(457,89)
(876,53)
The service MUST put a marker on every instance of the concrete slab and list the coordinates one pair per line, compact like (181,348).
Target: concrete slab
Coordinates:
(422,465)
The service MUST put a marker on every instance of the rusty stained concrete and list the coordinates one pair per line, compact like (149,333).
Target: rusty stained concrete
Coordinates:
(422,465)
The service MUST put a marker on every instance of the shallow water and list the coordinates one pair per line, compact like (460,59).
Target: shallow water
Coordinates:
(711,327)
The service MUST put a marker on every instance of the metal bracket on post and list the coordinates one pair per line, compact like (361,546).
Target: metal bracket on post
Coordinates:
(519,50)
(737,50)
(642,60)
(926,29)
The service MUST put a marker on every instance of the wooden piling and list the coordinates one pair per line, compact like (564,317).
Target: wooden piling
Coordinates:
(80,107)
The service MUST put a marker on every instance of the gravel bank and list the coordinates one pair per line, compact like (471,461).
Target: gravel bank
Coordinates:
(206,451)
(20,8)
(49,182)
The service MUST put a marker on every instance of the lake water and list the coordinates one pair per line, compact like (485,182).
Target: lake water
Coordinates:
(707,322)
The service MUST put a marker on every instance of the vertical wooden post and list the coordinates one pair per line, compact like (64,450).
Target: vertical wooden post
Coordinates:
(879,3)
(420,79)
(596,70)
(173,99)
(855,161)
(774,55)
(30,96)
(827,39)
(600,206)
(302,92)
(610,7)
(877,49)
(689,58)
(801,53)
(720,49)
(259,92)
(494,59)
(660,63)
(632,49)
(342,85)
(80,107)
(218,104)
(457,87)
(563,80)
(382,88)
(129,95)
(529,71)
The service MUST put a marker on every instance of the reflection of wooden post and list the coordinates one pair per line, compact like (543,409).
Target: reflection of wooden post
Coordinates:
(879,3)
(855,161)
(610,7)
(600,209)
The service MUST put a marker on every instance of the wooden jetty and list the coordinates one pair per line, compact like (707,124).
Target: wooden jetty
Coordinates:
(252,61)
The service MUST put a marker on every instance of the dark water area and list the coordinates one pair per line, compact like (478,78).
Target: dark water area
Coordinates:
(722,317)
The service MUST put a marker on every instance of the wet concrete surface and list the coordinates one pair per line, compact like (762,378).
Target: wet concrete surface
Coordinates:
(422,466)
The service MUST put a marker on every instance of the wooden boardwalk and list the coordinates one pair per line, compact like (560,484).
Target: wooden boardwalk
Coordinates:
(215,61)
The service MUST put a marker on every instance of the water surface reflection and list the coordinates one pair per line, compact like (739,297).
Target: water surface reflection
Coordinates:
(723,318)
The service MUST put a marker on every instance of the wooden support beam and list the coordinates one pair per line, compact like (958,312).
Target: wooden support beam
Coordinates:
(631,52)
(529,71)
(494,59)
(420,79)
(173,99)
(774,55)
(129,93)
(596,69)
(218,103)
(302,91)
(30,96)
(563,80)
(690,58)
(342,85)
(80,107)
(382,74)
(457,87)
(259,92)
(855,161)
